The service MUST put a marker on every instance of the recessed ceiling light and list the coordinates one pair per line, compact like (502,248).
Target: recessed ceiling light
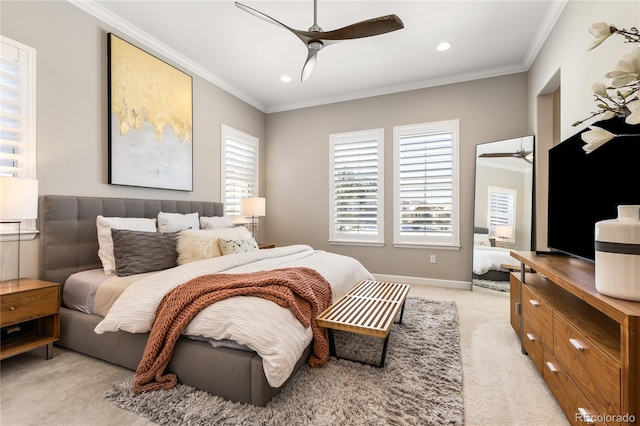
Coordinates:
(285,79)
(445,45)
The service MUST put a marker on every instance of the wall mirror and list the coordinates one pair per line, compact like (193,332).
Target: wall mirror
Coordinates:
(503,209)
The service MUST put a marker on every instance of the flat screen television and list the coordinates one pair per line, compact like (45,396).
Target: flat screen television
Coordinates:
(586,188)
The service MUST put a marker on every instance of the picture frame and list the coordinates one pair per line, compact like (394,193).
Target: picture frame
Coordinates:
(150,120)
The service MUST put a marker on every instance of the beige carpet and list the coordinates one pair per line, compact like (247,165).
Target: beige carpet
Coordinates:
(500,385)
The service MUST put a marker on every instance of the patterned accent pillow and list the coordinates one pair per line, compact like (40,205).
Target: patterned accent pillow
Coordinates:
(139,252)
(174,222)
(237,246)
(203,243)
(105,243)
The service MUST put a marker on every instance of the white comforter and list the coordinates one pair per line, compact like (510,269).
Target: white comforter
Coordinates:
(263,326)
(490,258)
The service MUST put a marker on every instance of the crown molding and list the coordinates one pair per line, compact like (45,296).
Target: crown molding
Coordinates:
(423,84)
(125,27)
(554,12)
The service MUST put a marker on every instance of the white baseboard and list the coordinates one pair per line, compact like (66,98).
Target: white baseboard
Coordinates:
(461,285)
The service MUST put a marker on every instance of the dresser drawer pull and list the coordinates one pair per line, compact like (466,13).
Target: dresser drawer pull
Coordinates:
(11,308)
(576,344)
(586,416)
(534,302)
(552,367)
(531,337)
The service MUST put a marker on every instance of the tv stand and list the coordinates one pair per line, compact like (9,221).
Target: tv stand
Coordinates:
(549,253)
(586,346)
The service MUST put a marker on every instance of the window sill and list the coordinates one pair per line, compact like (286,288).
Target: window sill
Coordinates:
(428,246)
(356,243)
(25,235)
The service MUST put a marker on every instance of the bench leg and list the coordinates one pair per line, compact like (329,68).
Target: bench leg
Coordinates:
(332,343)
(401,313)
(384,350)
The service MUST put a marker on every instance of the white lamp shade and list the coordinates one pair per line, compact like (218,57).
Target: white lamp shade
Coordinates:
(18,198)
(504,231)
(252,206)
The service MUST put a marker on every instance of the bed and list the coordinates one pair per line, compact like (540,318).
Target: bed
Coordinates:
(488,259)
(223,367)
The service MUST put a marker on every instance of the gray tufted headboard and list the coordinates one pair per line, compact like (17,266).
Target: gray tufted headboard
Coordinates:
(68,235)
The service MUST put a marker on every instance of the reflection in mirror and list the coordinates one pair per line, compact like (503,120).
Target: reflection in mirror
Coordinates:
(503,210)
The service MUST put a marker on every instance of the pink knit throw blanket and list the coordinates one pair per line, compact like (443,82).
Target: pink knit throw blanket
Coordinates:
(303,290)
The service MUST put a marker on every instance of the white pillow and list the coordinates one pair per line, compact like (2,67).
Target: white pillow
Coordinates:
(203,243)
(105,242)
(237,246)
(215,222)
(481,240)
(174,222)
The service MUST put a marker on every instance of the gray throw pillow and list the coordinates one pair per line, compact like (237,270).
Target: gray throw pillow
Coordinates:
(137,252)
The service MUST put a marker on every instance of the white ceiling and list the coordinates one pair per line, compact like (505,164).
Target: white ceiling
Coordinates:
(246,56)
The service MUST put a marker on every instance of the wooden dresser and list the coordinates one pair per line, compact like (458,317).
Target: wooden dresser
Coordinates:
(30,316)
(585,345)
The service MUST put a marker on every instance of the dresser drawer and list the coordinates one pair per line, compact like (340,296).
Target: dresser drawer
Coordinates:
(574,404)
(595,374)
(539,315)
(26,305)
(533,345)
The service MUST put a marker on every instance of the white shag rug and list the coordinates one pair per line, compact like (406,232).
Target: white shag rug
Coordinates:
(421,383)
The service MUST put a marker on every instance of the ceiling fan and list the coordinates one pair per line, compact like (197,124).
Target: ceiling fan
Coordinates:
(316,38)
(520,153)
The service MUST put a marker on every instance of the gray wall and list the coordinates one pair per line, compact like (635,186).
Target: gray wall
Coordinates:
(72,141)
(298,172)
(564,66)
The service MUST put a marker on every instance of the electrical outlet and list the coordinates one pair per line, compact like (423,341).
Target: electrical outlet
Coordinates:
(433,258)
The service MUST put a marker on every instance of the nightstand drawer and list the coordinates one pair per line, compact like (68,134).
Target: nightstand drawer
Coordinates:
(26,305)
(594,373)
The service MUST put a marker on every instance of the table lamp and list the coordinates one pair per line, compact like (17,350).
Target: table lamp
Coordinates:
(504,232)
(254,207)
(18,201)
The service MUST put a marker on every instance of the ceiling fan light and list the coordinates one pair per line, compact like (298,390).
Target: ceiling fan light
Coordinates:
(445,45)
(285,79)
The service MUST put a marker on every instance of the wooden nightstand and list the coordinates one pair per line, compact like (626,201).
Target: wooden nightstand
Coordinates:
(266,246)
(30,316)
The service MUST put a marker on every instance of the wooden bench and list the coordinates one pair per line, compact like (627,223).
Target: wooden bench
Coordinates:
(370,308)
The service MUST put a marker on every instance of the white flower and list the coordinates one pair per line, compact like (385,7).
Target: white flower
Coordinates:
(607,115)
(595,138)
(601,31)
(599,89)
(634,108)
(627,71)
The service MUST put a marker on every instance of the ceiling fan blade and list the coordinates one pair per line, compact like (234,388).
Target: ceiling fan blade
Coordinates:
(309,65)
(368,28)
(262,16)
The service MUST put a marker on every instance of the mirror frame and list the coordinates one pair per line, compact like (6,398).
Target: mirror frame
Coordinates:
(515,146)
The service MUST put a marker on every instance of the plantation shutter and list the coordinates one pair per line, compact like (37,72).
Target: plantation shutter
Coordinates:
(356,180)
(16,129)
(240,169)
(426,189)
(502,208)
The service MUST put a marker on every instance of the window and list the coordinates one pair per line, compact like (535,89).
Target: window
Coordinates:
(239,168)
(356,187)
(426,210)
(502,213)
(17,118)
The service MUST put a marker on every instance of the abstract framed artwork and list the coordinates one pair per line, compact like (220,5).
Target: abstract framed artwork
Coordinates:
(150,120)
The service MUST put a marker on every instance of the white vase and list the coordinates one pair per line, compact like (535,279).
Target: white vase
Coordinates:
(618,254)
